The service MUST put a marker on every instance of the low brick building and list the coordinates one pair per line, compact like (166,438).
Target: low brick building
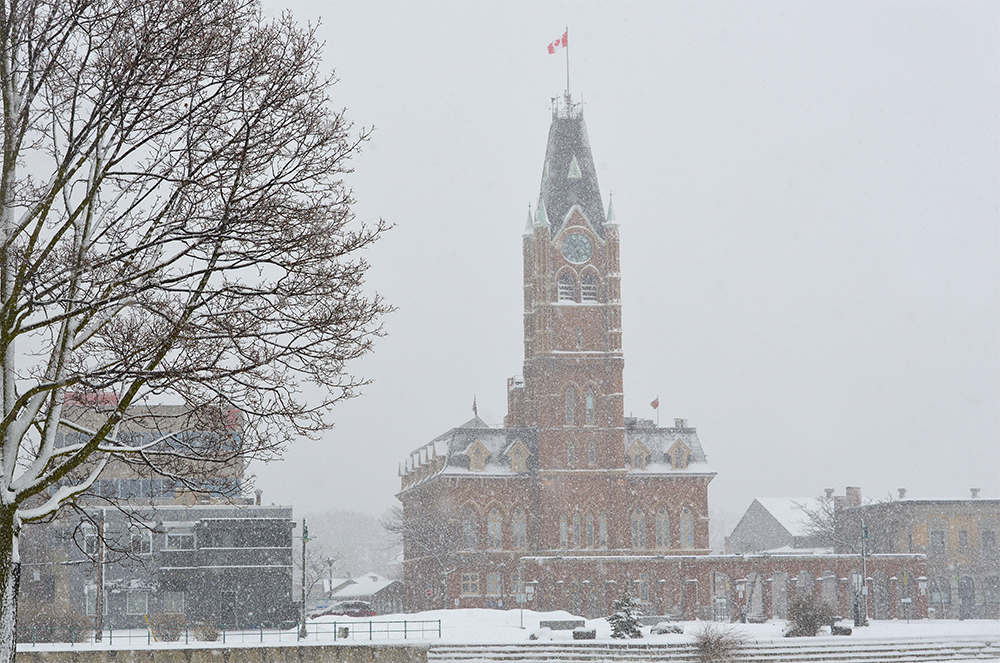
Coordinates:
(958,537)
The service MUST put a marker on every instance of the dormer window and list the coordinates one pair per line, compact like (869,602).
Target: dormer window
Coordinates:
(588,287)
(567,286)
(637,455)
(519,458)
(678,455)
(477,453)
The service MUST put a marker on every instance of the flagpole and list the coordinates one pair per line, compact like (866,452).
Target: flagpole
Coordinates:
(567,61)
(657,410)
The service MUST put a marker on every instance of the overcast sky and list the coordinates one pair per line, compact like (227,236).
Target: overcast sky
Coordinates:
(808,200)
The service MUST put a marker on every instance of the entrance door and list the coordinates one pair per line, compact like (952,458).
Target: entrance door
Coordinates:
(966,598)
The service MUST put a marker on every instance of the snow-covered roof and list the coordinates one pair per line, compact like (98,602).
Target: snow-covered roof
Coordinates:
(368,584)
(788,512)
(452,452)
(477,448)
(660,442)
(789,550)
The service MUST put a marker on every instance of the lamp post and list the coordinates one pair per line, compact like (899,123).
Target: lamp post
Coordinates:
(305,539)
(99,598)
(863,621)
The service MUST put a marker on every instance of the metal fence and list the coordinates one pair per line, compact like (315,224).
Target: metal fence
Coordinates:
(201,633)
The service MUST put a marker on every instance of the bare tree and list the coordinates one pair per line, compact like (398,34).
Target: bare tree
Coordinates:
(830,526)
(320,562)
(174,228)
(434,539)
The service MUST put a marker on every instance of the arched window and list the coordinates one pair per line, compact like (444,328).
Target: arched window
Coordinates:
(662,529)
(592,452)
(494,529)
(470,534)
(569,406)
(566,287)
(588,287)
(570,455)
(940,592)
(603,530)
(563,532)
(590,530)
(687,528)
(518,530)
(590,406)
(638,529)
(991,590)
(576,530)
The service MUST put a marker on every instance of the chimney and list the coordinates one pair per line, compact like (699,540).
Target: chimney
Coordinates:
(853,494)
(680,423)
(902,493)
(829,493)
(258,493)
(975,493)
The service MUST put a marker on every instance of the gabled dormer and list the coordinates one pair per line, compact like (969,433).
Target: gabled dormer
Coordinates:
(678,455)
(518,455)
(637,455)
(478,454)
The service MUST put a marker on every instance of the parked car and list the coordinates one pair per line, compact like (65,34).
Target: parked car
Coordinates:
(351,609)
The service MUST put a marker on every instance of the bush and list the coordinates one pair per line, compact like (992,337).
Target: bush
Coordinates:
(807,615)
(717,643)
(207,633)
(168,628)
(625,620)
(37,622)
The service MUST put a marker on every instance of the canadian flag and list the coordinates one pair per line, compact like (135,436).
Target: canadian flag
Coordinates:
(559,43)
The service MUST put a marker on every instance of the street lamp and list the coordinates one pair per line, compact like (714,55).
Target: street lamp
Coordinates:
(305,539)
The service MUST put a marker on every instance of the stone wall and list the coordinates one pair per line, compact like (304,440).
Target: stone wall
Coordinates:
(290,654)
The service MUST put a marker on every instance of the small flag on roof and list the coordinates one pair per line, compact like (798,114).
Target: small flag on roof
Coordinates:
(655,404)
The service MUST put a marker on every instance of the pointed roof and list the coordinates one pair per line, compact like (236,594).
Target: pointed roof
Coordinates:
(568,174)
(475,422)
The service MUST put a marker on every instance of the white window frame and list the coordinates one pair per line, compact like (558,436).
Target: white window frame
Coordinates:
(175,534)
(470,584)
(135,595)
(494,584)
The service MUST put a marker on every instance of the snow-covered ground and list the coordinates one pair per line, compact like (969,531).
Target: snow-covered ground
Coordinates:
(503,627)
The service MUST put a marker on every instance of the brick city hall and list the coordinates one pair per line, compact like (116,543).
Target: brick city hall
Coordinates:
(570,502)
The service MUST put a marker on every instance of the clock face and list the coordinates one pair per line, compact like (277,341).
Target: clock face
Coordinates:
(577,248)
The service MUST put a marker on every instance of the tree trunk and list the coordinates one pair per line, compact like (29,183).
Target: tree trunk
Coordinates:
(10,576)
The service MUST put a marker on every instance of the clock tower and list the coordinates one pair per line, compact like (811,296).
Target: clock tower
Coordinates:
(571,389)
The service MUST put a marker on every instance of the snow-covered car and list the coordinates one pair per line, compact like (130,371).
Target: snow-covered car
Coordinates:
(350,609)
(663,627)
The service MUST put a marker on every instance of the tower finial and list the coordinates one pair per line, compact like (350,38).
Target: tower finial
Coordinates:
(610,218)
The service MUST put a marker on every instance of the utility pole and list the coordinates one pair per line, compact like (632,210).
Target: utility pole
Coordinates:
(305,539)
